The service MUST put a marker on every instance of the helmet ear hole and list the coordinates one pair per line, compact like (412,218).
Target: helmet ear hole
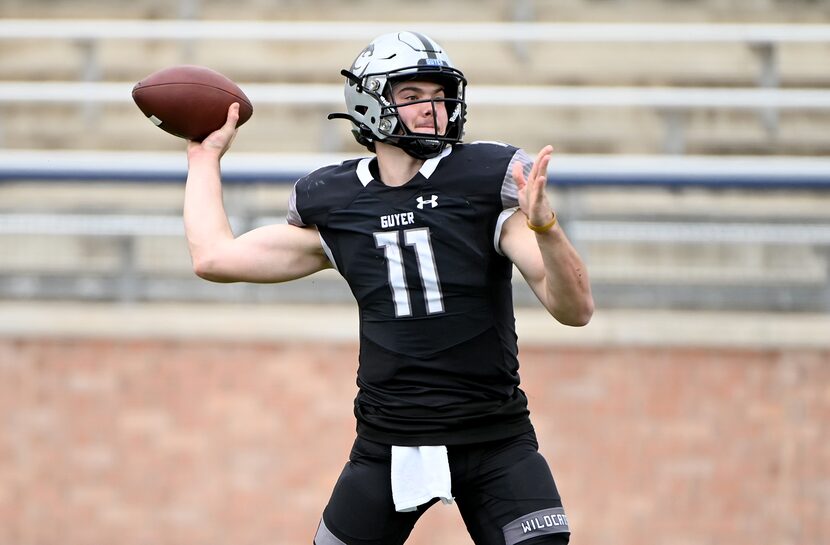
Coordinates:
(361,109)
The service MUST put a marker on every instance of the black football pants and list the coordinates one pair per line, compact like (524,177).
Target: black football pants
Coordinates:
(504,491)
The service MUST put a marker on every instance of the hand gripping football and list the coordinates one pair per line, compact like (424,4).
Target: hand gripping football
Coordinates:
(190,101)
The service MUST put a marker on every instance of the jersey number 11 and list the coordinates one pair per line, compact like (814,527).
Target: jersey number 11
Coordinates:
(417,238)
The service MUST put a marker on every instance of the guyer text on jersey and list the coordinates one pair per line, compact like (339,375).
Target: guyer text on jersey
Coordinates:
(396,220)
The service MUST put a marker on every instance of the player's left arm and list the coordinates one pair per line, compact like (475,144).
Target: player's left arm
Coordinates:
(547,260)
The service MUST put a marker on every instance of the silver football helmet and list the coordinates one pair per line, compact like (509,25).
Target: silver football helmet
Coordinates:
(374,116)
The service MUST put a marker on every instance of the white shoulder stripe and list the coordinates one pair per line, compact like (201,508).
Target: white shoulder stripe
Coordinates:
(363,172)
(430,165)
(502,144)
(503,217)
(293,215)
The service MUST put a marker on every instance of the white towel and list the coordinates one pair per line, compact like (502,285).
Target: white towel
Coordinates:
(418,475)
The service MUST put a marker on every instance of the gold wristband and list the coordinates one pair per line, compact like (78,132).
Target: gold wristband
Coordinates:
(543,228)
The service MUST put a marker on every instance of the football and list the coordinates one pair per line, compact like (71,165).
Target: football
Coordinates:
(190,101)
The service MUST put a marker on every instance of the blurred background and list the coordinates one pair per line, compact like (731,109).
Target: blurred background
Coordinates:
(140,404)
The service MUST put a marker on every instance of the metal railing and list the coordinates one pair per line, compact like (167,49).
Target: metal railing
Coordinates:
(775,173)
(132,239)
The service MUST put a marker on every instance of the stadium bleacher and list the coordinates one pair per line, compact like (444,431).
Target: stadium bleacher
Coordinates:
(692,170)
(699,78)
(608,67)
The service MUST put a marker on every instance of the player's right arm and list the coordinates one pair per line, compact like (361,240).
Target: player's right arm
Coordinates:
(274,253)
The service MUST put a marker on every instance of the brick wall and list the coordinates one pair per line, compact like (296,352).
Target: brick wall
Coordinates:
(166,442)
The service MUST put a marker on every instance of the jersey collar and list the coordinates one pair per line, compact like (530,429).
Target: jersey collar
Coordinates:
(364,173)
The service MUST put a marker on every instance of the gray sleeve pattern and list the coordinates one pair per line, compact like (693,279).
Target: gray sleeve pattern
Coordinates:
(509,190)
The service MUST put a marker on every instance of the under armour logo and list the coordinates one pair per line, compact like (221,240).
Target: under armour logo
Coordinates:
(432,201)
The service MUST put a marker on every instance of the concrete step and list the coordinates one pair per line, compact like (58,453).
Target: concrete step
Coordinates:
(305,129)
(472,10)
(484,63)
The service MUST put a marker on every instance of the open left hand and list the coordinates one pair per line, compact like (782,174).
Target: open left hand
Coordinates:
(533,199)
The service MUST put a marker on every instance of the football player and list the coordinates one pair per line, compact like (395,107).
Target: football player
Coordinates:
(426,233)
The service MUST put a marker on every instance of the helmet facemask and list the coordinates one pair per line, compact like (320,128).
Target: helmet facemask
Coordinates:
(424,144)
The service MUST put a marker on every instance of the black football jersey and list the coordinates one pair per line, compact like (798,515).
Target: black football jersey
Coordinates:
(438,354)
